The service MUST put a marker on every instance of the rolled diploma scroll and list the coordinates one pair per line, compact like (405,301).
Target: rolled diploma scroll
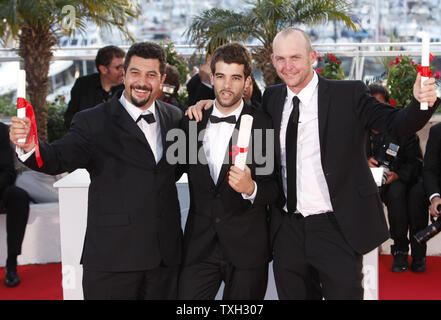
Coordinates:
(21,93)
(243,141)
(425,51)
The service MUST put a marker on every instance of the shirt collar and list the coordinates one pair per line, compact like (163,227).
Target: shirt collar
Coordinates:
(235,113)
(306,93)
(133,110)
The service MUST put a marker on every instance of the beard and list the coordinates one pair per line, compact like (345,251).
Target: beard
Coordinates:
(226,104)
(137,102)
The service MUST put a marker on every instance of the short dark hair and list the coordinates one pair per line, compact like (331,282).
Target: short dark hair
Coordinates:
(376,88)
(232,53)
(106,54)
(173,77)
(147,50)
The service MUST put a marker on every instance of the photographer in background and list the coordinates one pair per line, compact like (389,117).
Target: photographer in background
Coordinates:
(170,87)
(402,159)
(425,196)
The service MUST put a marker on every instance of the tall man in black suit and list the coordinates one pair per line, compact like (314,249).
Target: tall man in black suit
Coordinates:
(99,87)
(331,212)
(226,234)
(132,246)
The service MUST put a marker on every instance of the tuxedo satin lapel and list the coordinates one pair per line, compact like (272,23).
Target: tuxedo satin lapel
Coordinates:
(324,98)
(202,160)
(126,123)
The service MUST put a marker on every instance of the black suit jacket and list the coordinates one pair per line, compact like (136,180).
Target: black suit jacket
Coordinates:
(346,113)
(217,212)
(133,218)
(87,92)
(7,170)
(432,161)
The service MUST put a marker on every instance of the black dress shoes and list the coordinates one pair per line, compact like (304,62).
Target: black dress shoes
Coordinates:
(11,278)
(401,260)
(418,265)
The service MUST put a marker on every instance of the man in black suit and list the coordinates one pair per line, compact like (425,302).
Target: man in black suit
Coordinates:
(425,196)
(330,213)
(96,88)
(132,246)
(14,201)
(226,234)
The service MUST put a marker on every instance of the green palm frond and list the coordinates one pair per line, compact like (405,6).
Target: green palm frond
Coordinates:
(216,26)
(265,19)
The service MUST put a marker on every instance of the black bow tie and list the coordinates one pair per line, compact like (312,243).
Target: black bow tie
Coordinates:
(150,118)
(229,119)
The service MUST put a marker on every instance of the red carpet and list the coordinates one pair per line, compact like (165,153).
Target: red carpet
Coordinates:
(408,285)
(38,282)
(43,282)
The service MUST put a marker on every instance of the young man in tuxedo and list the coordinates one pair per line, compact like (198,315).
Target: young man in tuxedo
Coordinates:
(226,234)
(132,246)
(330,212)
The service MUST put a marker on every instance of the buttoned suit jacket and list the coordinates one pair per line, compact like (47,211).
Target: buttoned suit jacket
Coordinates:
(133,220)
(346,113)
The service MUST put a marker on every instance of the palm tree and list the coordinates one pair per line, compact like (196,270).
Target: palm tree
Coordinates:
(262,21)
(36,25)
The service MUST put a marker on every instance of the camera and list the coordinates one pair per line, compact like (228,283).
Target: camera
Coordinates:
(385,158)
(430,231)
(167,90)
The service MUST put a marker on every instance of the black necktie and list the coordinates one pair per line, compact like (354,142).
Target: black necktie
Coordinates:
(291,155)
(229,119)
(150,118)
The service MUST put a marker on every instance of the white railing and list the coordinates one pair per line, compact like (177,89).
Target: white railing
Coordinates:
(357,51)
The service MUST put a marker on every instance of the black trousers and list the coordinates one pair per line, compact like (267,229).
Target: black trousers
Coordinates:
(313,260)
(394,196)
(15,203)
(418,208)
(155,284)
(202,281)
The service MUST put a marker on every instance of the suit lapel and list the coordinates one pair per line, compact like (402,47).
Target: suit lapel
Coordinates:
(323,108)
(201,126)
(126,123)
(161,111)
(278,104)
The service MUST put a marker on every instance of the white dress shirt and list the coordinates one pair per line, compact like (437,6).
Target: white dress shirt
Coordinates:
(152,131)
(312,189)
(216,139)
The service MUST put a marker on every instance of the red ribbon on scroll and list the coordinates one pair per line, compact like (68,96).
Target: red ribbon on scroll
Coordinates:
(425,71)
(235,150)
(23,103)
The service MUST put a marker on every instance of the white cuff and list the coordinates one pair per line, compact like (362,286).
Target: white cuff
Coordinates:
(252,196)
(22,155)
(433,196)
